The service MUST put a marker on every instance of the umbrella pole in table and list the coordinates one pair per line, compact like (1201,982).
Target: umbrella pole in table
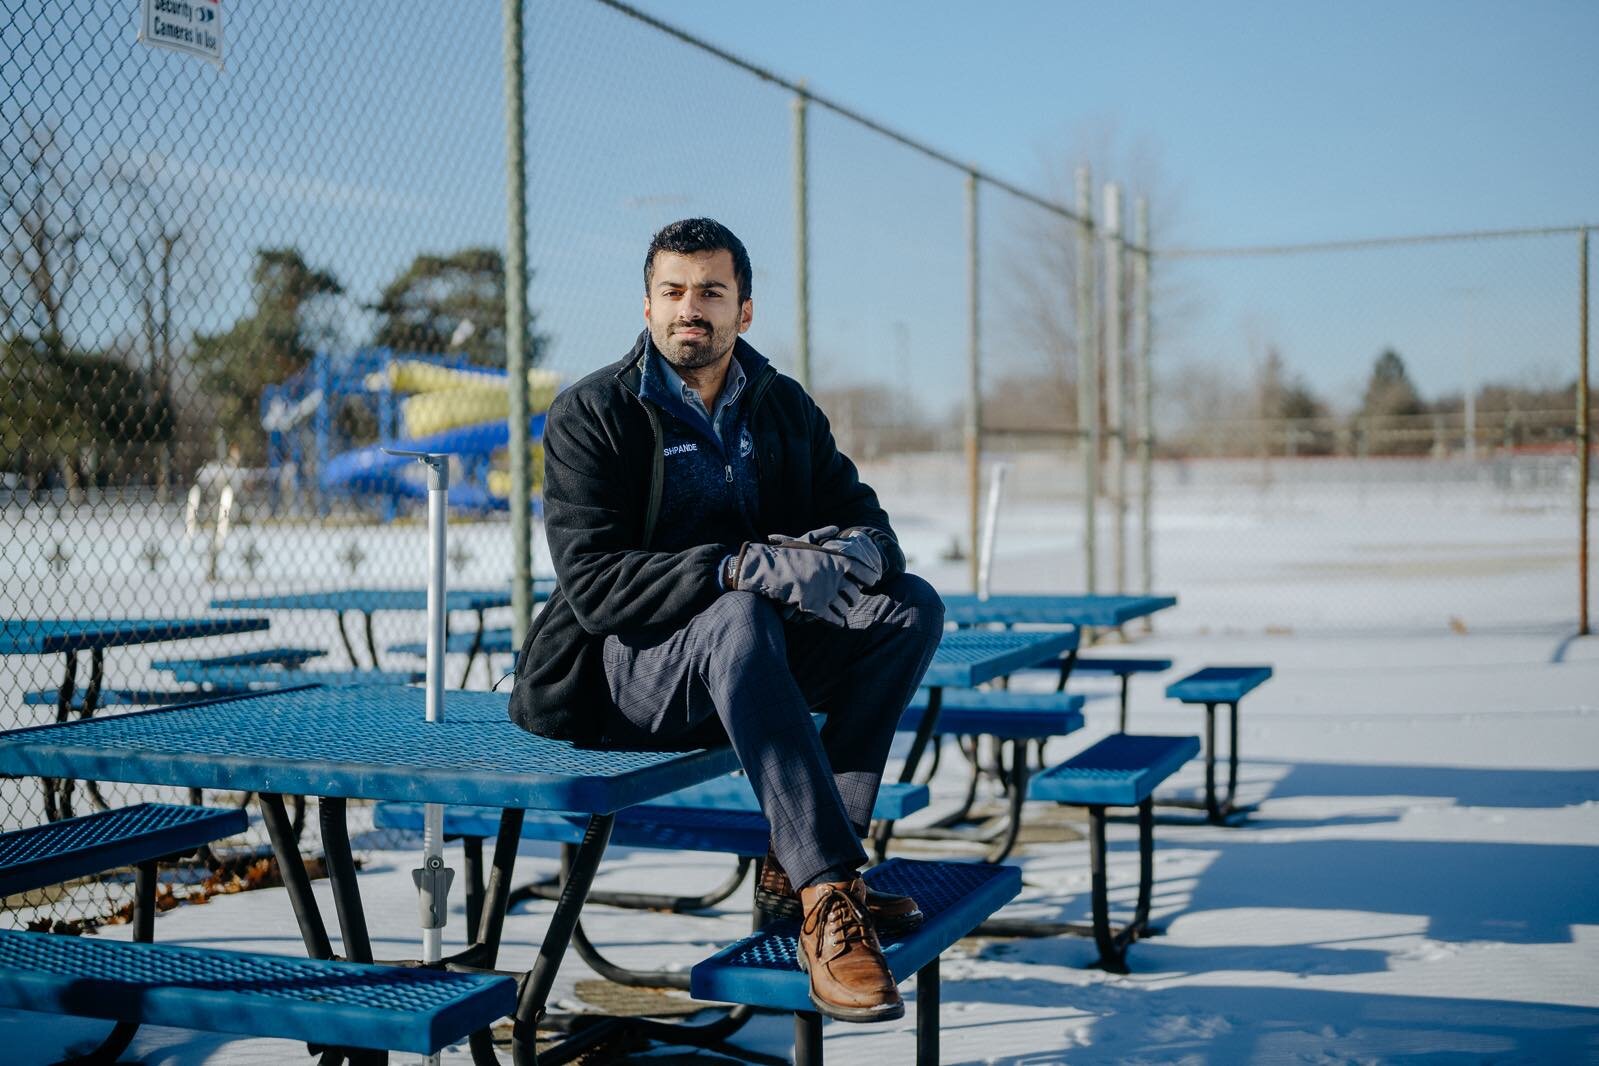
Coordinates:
(433,878)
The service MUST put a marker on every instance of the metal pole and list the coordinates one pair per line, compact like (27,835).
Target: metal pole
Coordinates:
(802,253)
(985,566)
(974,397)
(1115,398)
(1584,434)
(1146,391)
(1087,376)
(516,326)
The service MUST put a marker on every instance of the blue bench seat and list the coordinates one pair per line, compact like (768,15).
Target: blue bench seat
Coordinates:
(999,713)
(1122,770)
(762,970)
(1213,686)
(289,658)
(238,678)
(56,852)
(494,642)
(49,854)
(323,1003)
(1013,719)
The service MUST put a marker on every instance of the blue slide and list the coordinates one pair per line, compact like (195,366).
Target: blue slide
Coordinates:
(372,470)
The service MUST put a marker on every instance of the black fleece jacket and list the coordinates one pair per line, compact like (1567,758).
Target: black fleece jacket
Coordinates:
(603,474)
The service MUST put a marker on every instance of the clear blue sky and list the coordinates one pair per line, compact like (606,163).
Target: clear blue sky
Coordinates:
(1276,122)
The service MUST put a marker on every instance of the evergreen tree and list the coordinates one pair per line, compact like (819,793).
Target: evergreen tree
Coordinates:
(450,303)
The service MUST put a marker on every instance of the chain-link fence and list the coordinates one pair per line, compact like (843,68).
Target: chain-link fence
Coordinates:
(225,287)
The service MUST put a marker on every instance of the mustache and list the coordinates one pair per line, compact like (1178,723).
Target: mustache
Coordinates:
(698,323)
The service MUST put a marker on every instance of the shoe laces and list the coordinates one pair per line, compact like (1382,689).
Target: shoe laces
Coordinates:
(839,917)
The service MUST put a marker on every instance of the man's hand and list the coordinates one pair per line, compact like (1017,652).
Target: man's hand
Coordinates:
(796,572)
(854,543)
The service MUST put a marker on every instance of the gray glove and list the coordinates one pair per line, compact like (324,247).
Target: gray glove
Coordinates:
(799,574)
(865,558)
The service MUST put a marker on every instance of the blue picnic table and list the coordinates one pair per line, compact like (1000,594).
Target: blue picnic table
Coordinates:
(368,601)
(375,743)
(69,636)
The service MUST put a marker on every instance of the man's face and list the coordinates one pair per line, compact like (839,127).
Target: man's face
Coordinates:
(692,308)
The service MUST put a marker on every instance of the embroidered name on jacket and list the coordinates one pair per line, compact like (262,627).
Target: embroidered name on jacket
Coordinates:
(679,449)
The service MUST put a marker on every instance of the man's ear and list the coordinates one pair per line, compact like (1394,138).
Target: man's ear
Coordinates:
(746,314)
(646,309)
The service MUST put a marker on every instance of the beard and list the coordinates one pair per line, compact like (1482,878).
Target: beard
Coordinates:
(692,353)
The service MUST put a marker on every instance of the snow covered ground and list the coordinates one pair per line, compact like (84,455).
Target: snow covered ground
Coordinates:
(1420,882)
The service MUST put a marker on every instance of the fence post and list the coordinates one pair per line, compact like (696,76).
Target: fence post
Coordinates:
(974,396)
(1087,376)
(802,254)
(1115,394)
(1584,433)
(516,326)
(1146,404)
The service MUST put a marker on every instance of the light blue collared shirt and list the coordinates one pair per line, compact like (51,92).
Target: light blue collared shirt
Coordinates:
(731,388)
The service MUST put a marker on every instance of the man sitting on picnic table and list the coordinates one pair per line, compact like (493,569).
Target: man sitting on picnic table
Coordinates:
(723,572)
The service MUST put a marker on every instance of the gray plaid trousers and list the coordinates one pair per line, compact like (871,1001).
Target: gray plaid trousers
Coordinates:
(739,670)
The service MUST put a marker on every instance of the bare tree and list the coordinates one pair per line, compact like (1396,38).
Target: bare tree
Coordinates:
(147,244)
(42,215)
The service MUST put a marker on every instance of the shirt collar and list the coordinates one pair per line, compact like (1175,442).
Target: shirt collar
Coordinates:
(659,374)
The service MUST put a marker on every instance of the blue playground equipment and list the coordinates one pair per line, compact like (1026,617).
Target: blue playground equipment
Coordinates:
(306,449)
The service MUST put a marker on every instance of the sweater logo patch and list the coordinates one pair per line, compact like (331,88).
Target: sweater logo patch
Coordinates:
(679,449)
(746,443)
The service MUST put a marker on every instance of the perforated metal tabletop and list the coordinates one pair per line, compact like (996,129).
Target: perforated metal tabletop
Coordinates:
(970,657)
(30,636)
(968,610)
(369,742)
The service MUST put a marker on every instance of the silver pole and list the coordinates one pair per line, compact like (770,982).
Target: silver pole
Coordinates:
(1115,398)
(974,396)
(996,489)
(802,252)
(433,878)
(1146,403)
(516,354)
(1087,376)
(1584,433)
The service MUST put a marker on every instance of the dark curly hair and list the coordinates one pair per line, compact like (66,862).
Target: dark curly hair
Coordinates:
(690,236)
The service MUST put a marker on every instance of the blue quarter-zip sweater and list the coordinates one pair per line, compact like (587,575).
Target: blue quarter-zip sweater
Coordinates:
(711,490)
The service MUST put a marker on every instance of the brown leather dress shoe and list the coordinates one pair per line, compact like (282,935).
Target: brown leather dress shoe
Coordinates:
(850,980)
(891,914)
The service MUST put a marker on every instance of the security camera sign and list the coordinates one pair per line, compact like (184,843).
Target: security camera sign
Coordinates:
(193,26)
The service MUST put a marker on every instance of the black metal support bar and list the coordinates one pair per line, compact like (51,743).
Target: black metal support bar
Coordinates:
(1111,954)
(295,879)
(341,872)
(1017,796)
(621,974)
(55,789)
(927,998)
(494,901)
(371,643)
(144,902)
(535,992)
(472,853)
(807,1038)
(349,649)
(1219,809)
(1125,679)
(471,654)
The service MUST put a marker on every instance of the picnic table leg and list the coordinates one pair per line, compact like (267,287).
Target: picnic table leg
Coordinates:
(541,979)
(341,872)
(295,879)
(53,789)
(471,653)
(349,649)
(371,644)
(924,730)
(927,996)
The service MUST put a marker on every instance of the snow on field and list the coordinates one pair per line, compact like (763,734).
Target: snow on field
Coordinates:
(1420,882)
